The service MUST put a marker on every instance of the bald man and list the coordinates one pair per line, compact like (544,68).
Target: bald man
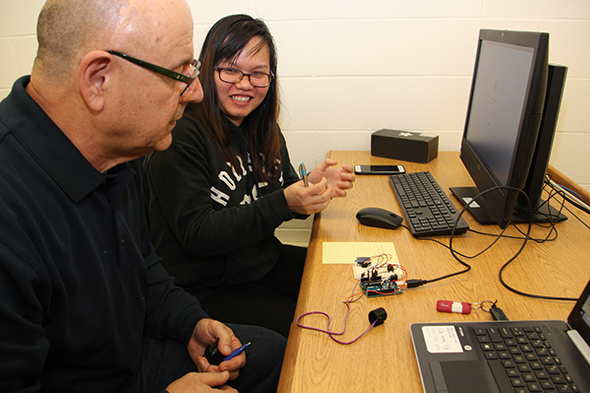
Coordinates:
(85,305)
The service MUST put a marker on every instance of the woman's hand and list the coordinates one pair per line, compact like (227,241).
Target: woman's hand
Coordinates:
(339,179)
(308,200)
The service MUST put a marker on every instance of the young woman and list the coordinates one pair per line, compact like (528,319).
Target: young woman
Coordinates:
(226,183)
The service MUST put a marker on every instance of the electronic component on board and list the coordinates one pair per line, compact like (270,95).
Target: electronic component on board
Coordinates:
(379,276)
(377,285)
(363,261)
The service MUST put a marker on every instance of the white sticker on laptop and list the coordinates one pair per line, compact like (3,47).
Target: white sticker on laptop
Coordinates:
(441,339)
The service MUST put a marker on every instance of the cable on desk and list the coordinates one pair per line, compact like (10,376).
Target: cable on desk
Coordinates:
(376,317)
(553,190)
(568,195)
(530,215)
(559,189)
(577,218)
(569,190)
(551,226)
(418,282)
(552,230)
(503,236)
(331,333)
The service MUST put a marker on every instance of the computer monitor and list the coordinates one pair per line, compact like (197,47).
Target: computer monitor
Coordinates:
(509,127)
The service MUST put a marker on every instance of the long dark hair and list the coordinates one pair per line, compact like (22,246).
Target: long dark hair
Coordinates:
(224,42)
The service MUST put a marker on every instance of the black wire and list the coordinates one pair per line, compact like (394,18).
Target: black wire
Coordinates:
(549,218)
(525,240)
(457,254)
(552,228)
(515,237)
(552,220)
(567,198)
(578,218)
(463,255)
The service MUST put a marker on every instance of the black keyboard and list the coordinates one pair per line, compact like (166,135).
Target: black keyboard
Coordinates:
(523,361)
(428,210)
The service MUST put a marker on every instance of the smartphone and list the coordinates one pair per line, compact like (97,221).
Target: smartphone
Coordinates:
(379,169)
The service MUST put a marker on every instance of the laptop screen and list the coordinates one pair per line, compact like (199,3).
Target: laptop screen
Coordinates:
(579,318)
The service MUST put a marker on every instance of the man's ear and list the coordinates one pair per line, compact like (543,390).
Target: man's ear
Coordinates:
(95,77)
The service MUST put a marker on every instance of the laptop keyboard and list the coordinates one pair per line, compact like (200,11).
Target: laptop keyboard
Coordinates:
(522,360)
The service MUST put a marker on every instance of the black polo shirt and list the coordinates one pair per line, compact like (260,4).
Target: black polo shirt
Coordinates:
(80,283)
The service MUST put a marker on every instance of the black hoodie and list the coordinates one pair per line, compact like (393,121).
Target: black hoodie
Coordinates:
(212,224)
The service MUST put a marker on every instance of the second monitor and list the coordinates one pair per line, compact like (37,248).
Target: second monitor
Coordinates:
(509,127)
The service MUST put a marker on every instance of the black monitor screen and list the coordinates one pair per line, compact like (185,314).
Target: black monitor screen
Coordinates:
(498,104)
(507,108)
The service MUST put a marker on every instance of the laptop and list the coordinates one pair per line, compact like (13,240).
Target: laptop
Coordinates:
(506,356)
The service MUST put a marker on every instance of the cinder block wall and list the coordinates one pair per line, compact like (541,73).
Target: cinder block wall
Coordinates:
(350,67)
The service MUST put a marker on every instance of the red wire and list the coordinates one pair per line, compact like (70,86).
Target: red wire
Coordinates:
(347,302)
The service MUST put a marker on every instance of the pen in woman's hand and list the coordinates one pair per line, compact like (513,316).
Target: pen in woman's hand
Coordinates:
(303,173)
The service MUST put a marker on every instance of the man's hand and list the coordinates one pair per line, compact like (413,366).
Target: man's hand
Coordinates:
(206,333)
(200,383)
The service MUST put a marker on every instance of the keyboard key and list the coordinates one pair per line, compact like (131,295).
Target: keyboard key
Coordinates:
(529,377)
(534,387)
(517,382)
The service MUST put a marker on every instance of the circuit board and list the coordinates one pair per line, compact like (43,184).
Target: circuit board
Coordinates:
(382,286)
(379,278)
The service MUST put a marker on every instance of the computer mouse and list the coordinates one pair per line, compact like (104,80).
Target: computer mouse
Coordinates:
(380,218)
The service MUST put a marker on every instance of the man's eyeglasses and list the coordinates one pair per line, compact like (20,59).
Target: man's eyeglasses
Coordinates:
(195,65)
(257,79)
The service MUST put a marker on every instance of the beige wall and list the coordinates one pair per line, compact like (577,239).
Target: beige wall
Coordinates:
(350,67)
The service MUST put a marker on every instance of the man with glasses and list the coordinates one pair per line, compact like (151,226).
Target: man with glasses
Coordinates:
(85,305)
(188,80)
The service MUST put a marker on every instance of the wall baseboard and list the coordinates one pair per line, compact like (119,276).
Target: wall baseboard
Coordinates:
(297,237)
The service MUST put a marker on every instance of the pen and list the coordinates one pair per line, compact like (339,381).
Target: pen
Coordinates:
(303,173)
(236,352)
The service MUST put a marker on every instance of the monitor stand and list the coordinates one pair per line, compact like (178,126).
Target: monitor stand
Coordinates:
(480,212)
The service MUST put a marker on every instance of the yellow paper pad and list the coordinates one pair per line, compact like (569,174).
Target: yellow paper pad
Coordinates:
(347,252)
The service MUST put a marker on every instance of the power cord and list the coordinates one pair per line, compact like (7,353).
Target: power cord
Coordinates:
(551,235)
(419,282)
(568,195)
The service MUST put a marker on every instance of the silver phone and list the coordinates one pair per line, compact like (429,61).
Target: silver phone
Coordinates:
(379,169)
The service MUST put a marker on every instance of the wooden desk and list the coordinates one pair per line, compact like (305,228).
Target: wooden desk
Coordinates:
(383,360)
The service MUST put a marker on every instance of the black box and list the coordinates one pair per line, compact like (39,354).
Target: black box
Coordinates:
(404,145)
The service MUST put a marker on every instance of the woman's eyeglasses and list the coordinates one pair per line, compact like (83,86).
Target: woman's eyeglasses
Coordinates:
(257,79)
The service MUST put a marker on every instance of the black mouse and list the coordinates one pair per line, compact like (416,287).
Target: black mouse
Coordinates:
(380,218)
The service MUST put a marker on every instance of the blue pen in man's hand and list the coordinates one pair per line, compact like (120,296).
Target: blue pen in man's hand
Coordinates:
(236,352)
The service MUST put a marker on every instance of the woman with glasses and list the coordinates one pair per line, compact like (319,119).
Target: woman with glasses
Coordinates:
(226,183)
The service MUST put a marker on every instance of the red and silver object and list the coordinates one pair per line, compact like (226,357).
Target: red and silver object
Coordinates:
(457,307)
